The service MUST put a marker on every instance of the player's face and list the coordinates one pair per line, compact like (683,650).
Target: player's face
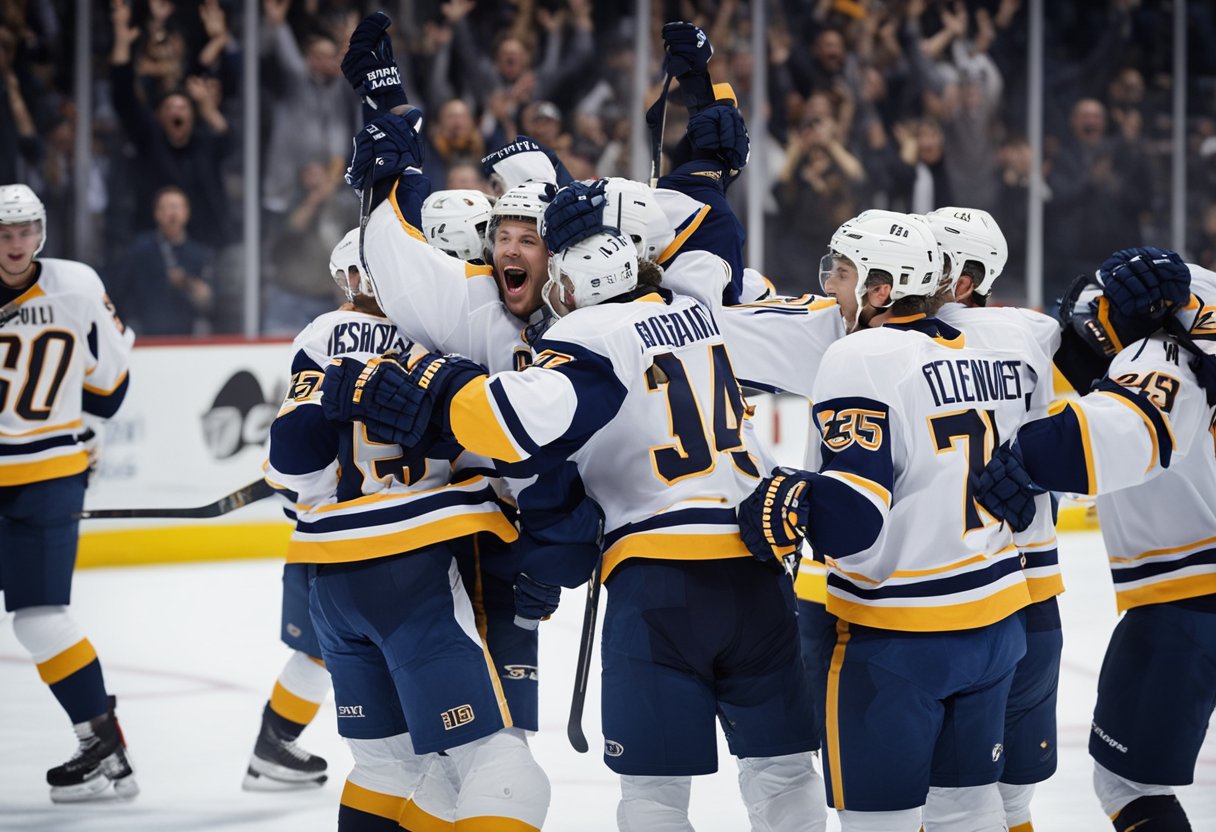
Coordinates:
(521,266)
(839,278)
(18,242)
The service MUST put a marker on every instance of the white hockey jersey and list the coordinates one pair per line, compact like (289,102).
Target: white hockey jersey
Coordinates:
(65,353)
(641,397)
(1037,543)
(906,414)
(358,499)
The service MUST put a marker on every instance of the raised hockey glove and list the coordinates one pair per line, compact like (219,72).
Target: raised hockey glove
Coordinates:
(718,133)
(534,601)
(369,66)
(574,213)
(385,147)
(1004,488)
(1143,285)
(773,518)
(688,48)
(524,160)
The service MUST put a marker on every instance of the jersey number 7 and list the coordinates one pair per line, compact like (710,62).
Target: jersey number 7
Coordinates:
(977,428)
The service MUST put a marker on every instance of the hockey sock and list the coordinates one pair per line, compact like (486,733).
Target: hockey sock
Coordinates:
(783,793)
(501,785)
(1017,805)
(66,660)
(297,695)
(364,810)
(654,804)
(1152,813)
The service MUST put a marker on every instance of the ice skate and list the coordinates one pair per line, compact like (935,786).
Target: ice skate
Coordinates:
(101,760)
(278,764)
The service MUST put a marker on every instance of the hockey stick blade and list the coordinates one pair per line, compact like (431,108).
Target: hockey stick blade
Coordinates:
(256,490)
(582,673)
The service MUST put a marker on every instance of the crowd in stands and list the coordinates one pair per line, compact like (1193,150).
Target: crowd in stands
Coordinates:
(902,104)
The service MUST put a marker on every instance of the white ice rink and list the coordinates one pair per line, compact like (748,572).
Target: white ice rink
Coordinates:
(191,652)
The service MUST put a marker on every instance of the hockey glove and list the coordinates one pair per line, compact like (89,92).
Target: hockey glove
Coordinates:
(369,66)
(1204,367)
(1004,488)
(1144,285)
(379,394)
(718,133)
(534,601)
(574,213)
(524,160)
(688,49)
(773,518)
(386,146)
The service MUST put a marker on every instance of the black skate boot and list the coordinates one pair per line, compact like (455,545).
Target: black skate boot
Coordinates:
(278,764)
(100,760)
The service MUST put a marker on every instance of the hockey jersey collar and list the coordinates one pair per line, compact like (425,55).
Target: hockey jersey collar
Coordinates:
(939,331)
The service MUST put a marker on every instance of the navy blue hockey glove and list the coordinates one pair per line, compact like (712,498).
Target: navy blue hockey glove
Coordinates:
(386,146)
(524,160)
(574,213)
(353,391)
(1145,284)
(369,66)
(1204,367)
(1004,488)
(718,132)
(688,48)
(773,518)
(534,601)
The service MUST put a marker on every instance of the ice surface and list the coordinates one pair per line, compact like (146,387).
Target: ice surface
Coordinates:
(192,652)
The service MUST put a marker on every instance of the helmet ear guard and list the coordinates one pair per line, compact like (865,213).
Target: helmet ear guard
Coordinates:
(19,205)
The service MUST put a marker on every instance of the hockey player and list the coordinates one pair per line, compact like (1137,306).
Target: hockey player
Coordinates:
(65,356)
(1144,442)
(394,623)
(974,253)
(634,388)
(455,222)
(927,588)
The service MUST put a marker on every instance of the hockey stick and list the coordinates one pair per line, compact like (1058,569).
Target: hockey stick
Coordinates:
(259,489)
(656,141)
(9,311)
(582,672)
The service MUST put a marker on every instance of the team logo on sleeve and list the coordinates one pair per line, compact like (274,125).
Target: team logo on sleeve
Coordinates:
(843,428)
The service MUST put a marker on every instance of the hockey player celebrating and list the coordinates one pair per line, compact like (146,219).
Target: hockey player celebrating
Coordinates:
(927,635)
(396,628)
(65,365)
(1143,442)
(974,253)
(634,388)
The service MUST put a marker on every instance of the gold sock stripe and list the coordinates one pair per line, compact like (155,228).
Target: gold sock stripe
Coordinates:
(416,819)
(369,802)
(833,719)
(62,665)
(1022,827)
(290,706)
(492,823)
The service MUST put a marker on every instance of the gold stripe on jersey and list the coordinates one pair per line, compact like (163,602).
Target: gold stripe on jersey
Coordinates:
(1086,444)
(347,550)
(812,582)
(102,391)
(65,663)
(864,483)
(477,426)
(405,224)
(66,465)
(1104,319)
(291,706)
(1043,588)
(388,806)
(1148,423)
(1165,589)
(935,618)
(674,546)
(676,244)
(492,823)
(66,426)
(832,722)
(1172,550)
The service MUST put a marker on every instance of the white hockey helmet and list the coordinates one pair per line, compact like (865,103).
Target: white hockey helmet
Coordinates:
(970,234)
(523,202)
(19,204)
(342,259)
(902,245)
(632,208)
(455,221)
(591,271)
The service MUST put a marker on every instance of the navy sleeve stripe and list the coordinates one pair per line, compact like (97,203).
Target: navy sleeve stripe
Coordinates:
(516,427)
(105,405)
(1053,451)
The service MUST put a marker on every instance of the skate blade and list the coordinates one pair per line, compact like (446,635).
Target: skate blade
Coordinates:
(96,789)
(258,782)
